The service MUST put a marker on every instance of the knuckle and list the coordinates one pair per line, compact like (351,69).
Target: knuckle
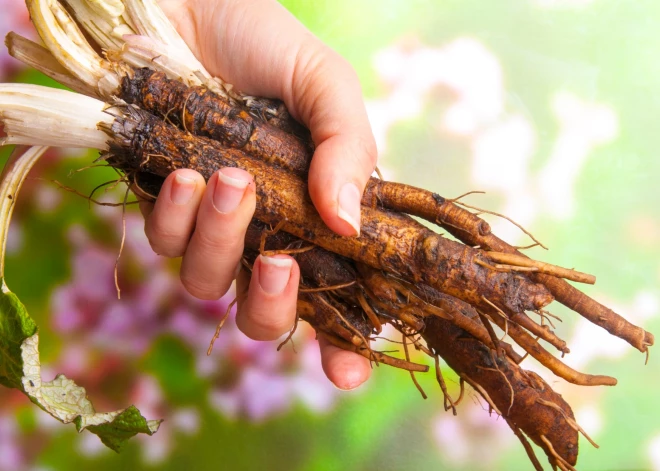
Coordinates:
(169,251)
(201,289)
(165,243)
(314,74)
(346,70)
(218,243)
(264,326)
(367,152)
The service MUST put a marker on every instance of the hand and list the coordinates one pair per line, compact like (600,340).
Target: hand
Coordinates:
(260,48)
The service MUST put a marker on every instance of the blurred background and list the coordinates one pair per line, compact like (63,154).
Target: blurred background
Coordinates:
(548,105)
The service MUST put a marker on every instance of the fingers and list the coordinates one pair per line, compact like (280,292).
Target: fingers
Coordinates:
(265,51)
(267,305)
(347,370)
(328,98)
(267,301)
(267,316)
(213,253)
(170,221)
(146,208)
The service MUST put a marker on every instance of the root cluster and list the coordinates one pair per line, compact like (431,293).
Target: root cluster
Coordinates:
(443,296)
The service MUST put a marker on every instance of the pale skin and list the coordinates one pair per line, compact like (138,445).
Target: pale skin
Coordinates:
(260,48)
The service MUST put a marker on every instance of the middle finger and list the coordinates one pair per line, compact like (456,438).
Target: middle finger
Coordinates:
(216,247)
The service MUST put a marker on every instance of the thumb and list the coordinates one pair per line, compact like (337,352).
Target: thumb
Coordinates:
(326,95)
(263,50)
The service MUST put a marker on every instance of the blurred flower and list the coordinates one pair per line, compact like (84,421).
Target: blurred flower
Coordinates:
(474,436)
(271,382)
(148,398)
(47,198)
(654,452)
(583,126)
(14,238)
(11,454)
(15,18)
(501,159)
(503,144)
(248,378)
(464,66)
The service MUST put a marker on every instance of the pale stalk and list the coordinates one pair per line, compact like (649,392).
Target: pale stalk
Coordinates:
(40,58)
(149,20)
(65,41)
(154,43)
(21,160)
(142,51)
(159,46)
(103,20)
(36,115)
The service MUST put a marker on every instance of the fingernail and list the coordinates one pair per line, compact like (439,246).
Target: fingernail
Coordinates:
(229,192)
(274,274)
(349,205)
(182,190)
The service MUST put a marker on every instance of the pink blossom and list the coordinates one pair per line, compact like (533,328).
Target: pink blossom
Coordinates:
(11,455)
(15,18)
(262,381)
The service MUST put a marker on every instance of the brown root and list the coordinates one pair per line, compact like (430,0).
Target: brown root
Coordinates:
(448,402)
(412,373)
(513,260)
(474,231)
(571,421)
(531,346)
(510,391)
(289,338)
(526,445)
(219,327)
(234,127)
(371,355)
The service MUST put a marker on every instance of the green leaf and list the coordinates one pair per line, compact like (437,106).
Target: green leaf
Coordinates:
(62,398)
(15,326)
(119,426)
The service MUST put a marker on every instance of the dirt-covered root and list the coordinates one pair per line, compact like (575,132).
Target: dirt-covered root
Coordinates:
(466,317)
(200,111)
(495,376)
(532,346)
(529,405)
(204,113)
(388,241)
(474,231)
(513,392)
(323,268)
(393,296)
(507,261)
(275,113)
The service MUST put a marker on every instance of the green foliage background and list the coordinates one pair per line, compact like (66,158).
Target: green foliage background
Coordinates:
(604,52)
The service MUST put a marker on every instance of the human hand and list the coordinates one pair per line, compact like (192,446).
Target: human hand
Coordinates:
(260,48)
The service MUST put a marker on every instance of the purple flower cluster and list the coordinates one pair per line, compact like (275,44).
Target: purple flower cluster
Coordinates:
(103,336)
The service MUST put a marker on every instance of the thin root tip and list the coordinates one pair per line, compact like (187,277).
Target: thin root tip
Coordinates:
(609,381)
(649,339)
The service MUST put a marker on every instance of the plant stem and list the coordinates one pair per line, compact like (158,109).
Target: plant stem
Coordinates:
(21,160)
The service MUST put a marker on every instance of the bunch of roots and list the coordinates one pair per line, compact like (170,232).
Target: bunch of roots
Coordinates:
(151,109)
